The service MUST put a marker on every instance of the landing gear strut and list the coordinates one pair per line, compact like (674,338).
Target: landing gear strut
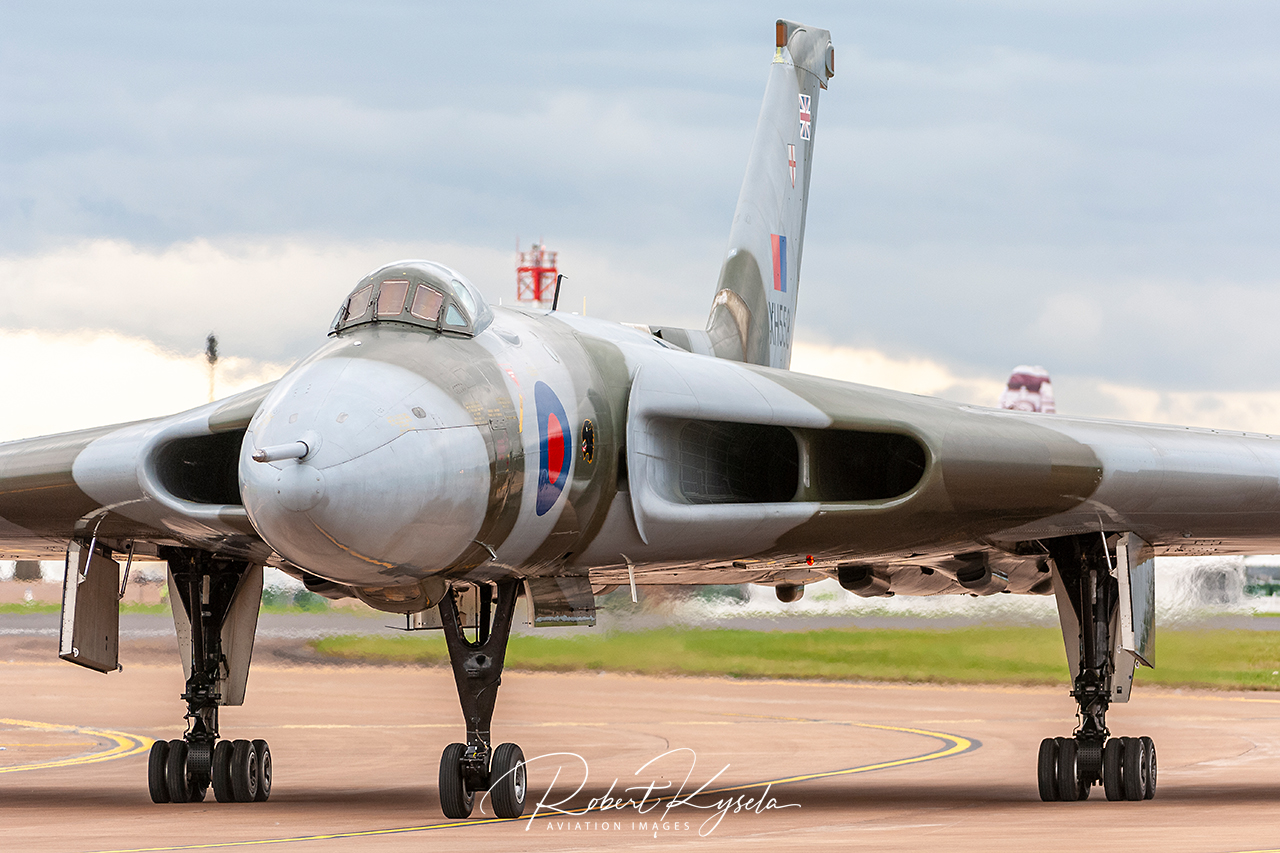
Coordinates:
(1069,767)
(466,769)
(182,770)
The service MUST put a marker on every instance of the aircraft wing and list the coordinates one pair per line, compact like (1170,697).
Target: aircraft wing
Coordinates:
(151,483)
(746,473)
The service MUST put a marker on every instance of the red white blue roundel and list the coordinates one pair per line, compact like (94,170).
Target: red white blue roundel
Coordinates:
(555,445)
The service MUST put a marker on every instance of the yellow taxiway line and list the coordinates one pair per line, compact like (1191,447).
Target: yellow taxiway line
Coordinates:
(952,745)
(124,746)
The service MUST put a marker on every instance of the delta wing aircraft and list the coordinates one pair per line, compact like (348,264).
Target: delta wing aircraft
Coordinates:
(439,457)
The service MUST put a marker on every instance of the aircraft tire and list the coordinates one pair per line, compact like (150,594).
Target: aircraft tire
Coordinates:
(263,770)
(1047,770)
(176,772)
(244,771)
(507,781)
(157,761)
(221,780)
(455,800)
(1112,769)
(1068,774)
(199,765)
(1134,762)
(1149,781)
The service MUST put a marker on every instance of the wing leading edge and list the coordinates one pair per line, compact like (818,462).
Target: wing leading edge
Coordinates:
(152,483)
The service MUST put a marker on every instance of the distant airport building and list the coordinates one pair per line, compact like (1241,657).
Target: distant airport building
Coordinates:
(1028,390)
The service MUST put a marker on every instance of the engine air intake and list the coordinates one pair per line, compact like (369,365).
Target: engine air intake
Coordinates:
(853,465)
(723,462)
(202,469)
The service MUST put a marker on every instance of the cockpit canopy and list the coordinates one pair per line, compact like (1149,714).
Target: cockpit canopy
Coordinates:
(416,293)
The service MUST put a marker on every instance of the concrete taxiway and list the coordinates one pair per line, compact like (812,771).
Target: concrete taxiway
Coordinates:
(884,767)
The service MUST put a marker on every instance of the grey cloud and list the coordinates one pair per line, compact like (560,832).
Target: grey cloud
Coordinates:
(1071,183)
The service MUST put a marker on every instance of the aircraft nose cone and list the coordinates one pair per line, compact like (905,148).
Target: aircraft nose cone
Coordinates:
(370,474)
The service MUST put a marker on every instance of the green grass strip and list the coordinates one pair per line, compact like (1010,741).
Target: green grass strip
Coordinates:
(272,606)
(30,607)
(992,655)
(56,607)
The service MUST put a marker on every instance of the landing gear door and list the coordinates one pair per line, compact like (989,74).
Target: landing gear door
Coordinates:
(238,630)
(466,602)
(1135,560)
(560,601)
(90,610)
(1133,627)
(1069,620)
(181,626)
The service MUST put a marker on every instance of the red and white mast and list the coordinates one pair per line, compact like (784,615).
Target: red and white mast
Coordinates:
(536,276)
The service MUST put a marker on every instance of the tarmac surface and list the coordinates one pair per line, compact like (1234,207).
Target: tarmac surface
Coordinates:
(861,766)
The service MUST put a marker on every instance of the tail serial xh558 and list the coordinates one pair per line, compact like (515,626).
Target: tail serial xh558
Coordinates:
(439,457)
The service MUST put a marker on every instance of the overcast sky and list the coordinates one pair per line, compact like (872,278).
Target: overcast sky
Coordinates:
(1091,188)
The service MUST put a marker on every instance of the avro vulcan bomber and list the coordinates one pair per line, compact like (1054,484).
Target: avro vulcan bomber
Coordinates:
(439,457)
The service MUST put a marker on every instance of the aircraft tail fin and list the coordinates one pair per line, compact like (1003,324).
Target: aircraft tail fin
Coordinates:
(753,314)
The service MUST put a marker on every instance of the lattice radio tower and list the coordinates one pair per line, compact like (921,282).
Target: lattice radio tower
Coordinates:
(536,276)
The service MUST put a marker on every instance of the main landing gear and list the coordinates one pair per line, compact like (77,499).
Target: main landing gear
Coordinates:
(1069,767)
(466,769)
(182,770)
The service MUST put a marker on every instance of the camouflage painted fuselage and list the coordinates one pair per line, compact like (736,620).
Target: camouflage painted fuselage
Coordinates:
(550,444)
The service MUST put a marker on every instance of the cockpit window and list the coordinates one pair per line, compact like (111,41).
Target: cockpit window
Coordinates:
(426,303)
(359,303)
(416,293)
(464,297)
(391,297)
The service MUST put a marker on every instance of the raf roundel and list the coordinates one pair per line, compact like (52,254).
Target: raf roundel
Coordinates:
(554,442)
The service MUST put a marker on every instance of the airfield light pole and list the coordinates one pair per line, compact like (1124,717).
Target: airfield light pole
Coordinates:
(536,276)
(211,356)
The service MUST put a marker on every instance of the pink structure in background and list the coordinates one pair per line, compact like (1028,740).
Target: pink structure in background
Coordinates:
(1028,390)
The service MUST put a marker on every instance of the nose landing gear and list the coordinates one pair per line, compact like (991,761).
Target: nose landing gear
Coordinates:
(474,767)
(213,593)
